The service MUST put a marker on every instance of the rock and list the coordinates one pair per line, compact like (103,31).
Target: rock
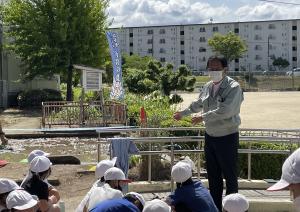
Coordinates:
(64,159)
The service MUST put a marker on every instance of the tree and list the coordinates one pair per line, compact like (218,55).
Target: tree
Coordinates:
(50,36)
(231,46)
(135,61)
(157,77)
(281,63)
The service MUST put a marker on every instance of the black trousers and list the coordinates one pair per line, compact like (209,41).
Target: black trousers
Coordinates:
(221,155)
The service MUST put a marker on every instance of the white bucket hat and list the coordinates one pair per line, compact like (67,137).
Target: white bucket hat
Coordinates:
(156,205)
(20,200)
(7,185)
(115,173)
(40,164)
(103,166)
(181,172)
(35,153)
(235,203)
(139,197)
(290,172)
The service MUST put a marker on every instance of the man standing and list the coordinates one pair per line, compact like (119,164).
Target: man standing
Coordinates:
(220,101)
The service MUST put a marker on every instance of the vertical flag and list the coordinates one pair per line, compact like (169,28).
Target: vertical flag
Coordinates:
(117,91)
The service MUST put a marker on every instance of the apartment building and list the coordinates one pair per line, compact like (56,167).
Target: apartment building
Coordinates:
(188,44)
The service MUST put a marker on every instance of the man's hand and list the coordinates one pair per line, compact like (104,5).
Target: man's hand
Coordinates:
(197,119)
(177,116)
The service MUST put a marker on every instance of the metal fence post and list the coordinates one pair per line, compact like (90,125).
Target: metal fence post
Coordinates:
(249,163)
(172,164)
(149,164)
(199,158)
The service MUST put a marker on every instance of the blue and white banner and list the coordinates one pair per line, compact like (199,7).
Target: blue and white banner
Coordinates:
(117,91)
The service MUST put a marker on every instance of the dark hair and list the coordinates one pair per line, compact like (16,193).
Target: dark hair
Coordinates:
(221,59)
(40,175)
(102,179)
(3,197)
(131,198)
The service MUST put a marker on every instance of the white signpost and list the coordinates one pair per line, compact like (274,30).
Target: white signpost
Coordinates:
(91,80)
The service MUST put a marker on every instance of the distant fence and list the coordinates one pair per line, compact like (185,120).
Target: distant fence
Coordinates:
(95,113)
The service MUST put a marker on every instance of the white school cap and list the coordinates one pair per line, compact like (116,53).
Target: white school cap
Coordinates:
(181,172)
(139,197)
(115,173)
(103,166)
(7,185)
(156,205)
(290,172)
(235,203)
(35,153)
(20,200)
(40,164)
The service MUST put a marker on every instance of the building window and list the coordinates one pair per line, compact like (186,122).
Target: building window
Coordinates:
(150,51)
(150,41)
(162,59)
(182,52)
(131,34)
(182,42)
(215,29)
(182,62)
(257,37)
(181,32)
(258,47)
(257,27)
(271,47)
(162,41)
(294,27)
(162,31)
(201,49)
(236,60)
(202,39)
(202,29)
(203,59)
(272,37)
(294,38)
(272,26)
(150,32)
(258,57)
(236,69)
(162,50)
(131,44)
(294,48)
(236,30)
(294,58)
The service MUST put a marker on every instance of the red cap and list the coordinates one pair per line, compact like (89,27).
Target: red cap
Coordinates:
(3,163)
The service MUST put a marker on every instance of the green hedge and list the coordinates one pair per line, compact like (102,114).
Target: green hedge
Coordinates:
(263,166)
(34,98)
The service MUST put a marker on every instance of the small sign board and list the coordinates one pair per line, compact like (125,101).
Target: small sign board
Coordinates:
(91,78)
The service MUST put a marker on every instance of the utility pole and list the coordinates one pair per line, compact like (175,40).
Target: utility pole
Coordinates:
(268,52)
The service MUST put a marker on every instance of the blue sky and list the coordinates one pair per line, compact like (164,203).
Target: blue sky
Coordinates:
(163,12)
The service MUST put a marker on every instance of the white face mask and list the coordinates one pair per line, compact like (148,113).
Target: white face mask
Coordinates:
(215,76)
(297,204)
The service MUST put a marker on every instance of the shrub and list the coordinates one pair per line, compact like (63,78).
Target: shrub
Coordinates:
(34,98)
(263,166)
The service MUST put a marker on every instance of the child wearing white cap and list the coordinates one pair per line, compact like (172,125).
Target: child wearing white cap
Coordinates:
(20,200)
(235,203)
(290,178)
(101,168)
(157,205)
(30,157)
(190,195)
(6,186)
(40,168)
(113,177)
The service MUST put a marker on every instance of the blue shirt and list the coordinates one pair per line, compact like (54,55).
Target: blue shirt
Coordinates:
(113,205)
(195,196)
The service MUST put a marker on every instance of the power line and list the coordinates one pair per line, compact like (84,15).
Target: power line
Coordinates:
(280,2)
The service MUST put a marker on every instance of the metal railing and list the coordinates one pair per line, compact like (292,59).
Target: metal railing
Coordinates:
(94,113)
(250,136)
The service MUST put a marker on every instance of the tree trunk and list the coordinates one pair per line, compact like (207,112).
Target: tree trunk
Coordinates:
(69,83)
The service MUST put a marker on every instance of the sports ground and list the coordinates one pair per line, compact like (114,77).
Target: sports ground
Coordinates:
(265,109)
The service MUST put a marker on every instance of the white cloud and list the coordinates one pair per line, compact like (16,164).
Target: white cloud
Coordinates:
(163,12)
